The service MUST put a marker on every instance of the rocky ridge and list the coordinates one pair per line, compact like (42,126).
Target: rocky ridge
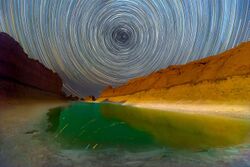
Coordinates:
(231,63)
(20,75)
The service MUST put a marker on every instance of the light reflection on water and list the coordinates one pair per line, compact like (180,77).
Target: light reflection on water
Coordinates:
(104,134)
(105,125)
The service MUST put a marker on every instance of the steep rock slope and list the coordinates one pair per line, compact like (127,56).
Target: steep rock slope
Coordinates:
(20,74)
(234,62)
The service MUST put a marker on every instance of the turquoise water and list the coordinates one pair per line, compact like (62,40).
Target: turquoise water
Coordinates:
(124,134)
(84,125)
(113,125)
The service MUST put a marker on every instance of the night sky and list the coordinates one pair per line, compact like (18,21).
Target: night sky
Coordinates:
(95,43)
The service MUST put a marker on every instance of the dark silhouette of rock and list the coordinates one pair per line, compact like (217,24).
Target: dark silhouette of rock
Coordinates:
(73,98)
(90,98)
(20,74)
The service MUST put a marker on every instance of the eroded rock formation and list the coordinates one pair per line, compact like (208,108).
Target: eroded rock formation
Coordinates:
(20,74)
(234,62)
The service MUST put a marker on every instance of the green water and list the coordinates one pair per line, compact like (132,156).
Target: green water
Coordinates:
(84,125)
(105,125)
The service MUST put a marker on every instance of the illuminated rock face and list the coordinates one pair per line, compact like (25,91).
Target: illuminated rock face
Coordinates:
(17,71)
(234,62)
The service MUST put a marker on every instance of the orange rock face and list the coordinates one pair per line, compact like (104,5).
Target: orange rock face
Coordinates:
(17,71)
(234,62)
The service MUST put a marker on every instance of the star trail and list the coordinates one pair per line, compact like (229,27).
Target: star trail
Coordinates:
(95,43)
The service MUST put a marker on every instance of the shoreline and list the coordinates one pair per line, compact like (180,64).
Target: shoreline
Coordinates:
(234,111)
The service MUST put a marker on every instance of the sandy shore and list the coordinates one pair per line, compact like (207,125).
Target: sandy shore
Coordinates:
(234,108)
(237,111)
(22,126)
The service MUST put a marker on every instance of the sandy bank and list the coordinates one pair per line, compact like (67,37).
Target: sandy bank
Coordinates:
(236,111)
(22,138)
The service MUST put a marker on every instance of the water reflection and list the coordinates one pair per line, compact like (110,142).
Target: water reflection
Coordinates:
(90,125)
(82,125)
(182,130)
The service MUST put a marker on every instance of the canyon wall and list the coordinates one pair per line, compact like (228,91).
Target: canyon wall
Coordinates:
(234,62)
(18,73)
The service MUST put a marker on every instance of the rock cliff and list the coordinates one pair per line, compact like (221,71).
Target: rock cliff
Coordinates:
(20,74)
(234,62)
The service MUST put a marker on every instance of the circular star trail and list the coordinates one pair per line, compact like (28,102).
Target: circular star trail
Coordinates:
(95,43)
